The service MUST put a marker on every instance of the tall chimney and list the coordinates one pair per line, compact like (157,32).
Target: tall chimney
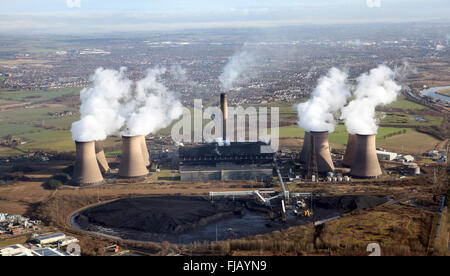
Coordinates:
(86,170)
(350,151)
(322,150)
(101,159)
(366,163)
(224,109)
(145,153)
(132,162)
(306,147)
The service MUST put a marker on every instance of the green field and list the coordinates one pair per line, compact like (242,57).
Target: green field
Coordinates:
(48,140)
(35,96)
(402,103)
(408,120)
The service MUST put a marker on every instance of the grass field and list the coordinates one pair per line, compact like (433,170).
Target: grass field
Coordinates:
(402,103)
(49,140)
(410,120)
(412,141)
(34,96)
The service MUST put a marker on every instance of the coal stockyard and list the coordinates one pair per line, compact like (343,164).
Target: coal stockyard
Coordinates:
(184,220)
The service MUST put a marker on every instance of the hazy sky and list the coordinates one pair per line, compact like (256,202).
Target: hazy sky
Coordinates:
(91,16)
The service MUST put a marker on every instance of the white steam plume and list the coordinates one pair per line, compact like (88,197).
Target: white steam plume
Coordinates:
(151,107)
(100,105)
(234,71)
(375,88)
(115,103)
(330,95)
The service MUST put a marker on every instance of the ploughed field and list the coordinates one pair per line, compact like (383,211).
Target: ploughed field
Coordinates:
(188,219)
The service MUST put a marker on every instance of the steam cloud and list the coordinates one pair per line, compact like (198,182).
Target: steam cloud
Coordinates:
(330,95)
(375,88)
(115,103)
(152,106)
(235,68)
(100,106)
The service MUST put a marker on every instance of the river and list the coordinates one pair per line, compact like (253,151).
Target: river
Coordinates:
(431,92)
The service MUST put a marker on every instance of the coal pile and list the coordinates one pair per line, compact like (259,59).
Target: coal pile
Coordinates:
(349,203)
(168,215)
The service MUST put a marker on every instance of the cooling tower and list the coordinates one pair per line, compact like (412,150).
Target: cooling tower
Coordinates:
(224,109)
(306,147)
(86,170)
(350,152)
(366,163)
(322,149)
(132,162)
(145,153)
(101,159)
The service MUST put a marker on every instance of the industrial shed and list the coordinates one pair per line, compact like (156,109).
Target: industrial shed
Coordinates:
(236,161)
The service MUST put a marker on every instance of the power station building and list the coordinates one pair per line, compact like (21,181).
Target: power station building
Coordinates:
(236,161)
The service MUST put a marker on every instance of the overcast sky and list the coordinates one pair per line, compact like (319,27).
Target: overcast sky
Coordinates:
(105,16)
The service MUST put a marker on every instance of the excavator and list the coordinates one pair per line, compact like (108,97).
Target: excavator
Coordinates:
(302,210)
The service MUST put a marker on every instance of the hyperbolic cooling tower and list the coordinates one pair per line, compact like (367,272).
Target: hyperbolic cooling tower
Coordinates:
(366,161)
(101,159)
(132,162)
(86,171)
(322,149)
(145,153)
(224,109)
(350,152)
(305,149)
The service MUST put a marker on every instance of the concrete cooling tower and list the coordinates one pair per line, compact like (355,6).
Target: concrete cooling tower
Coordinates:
(224,109)
(322,150)
(145,153)
(305,149)
(132,162)
(86,170)
(101,159)
(350,152)
(366,163)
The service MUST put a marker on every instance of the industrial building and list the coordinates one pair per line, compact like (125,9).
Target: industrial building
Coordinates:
(385,155)
(225,161)
(52,238)
(236,161)
(20,250)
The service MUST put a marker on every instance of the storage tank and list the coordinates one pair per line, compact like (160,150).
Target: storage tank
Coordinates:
(86,170)
(366,163)
(132,162)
